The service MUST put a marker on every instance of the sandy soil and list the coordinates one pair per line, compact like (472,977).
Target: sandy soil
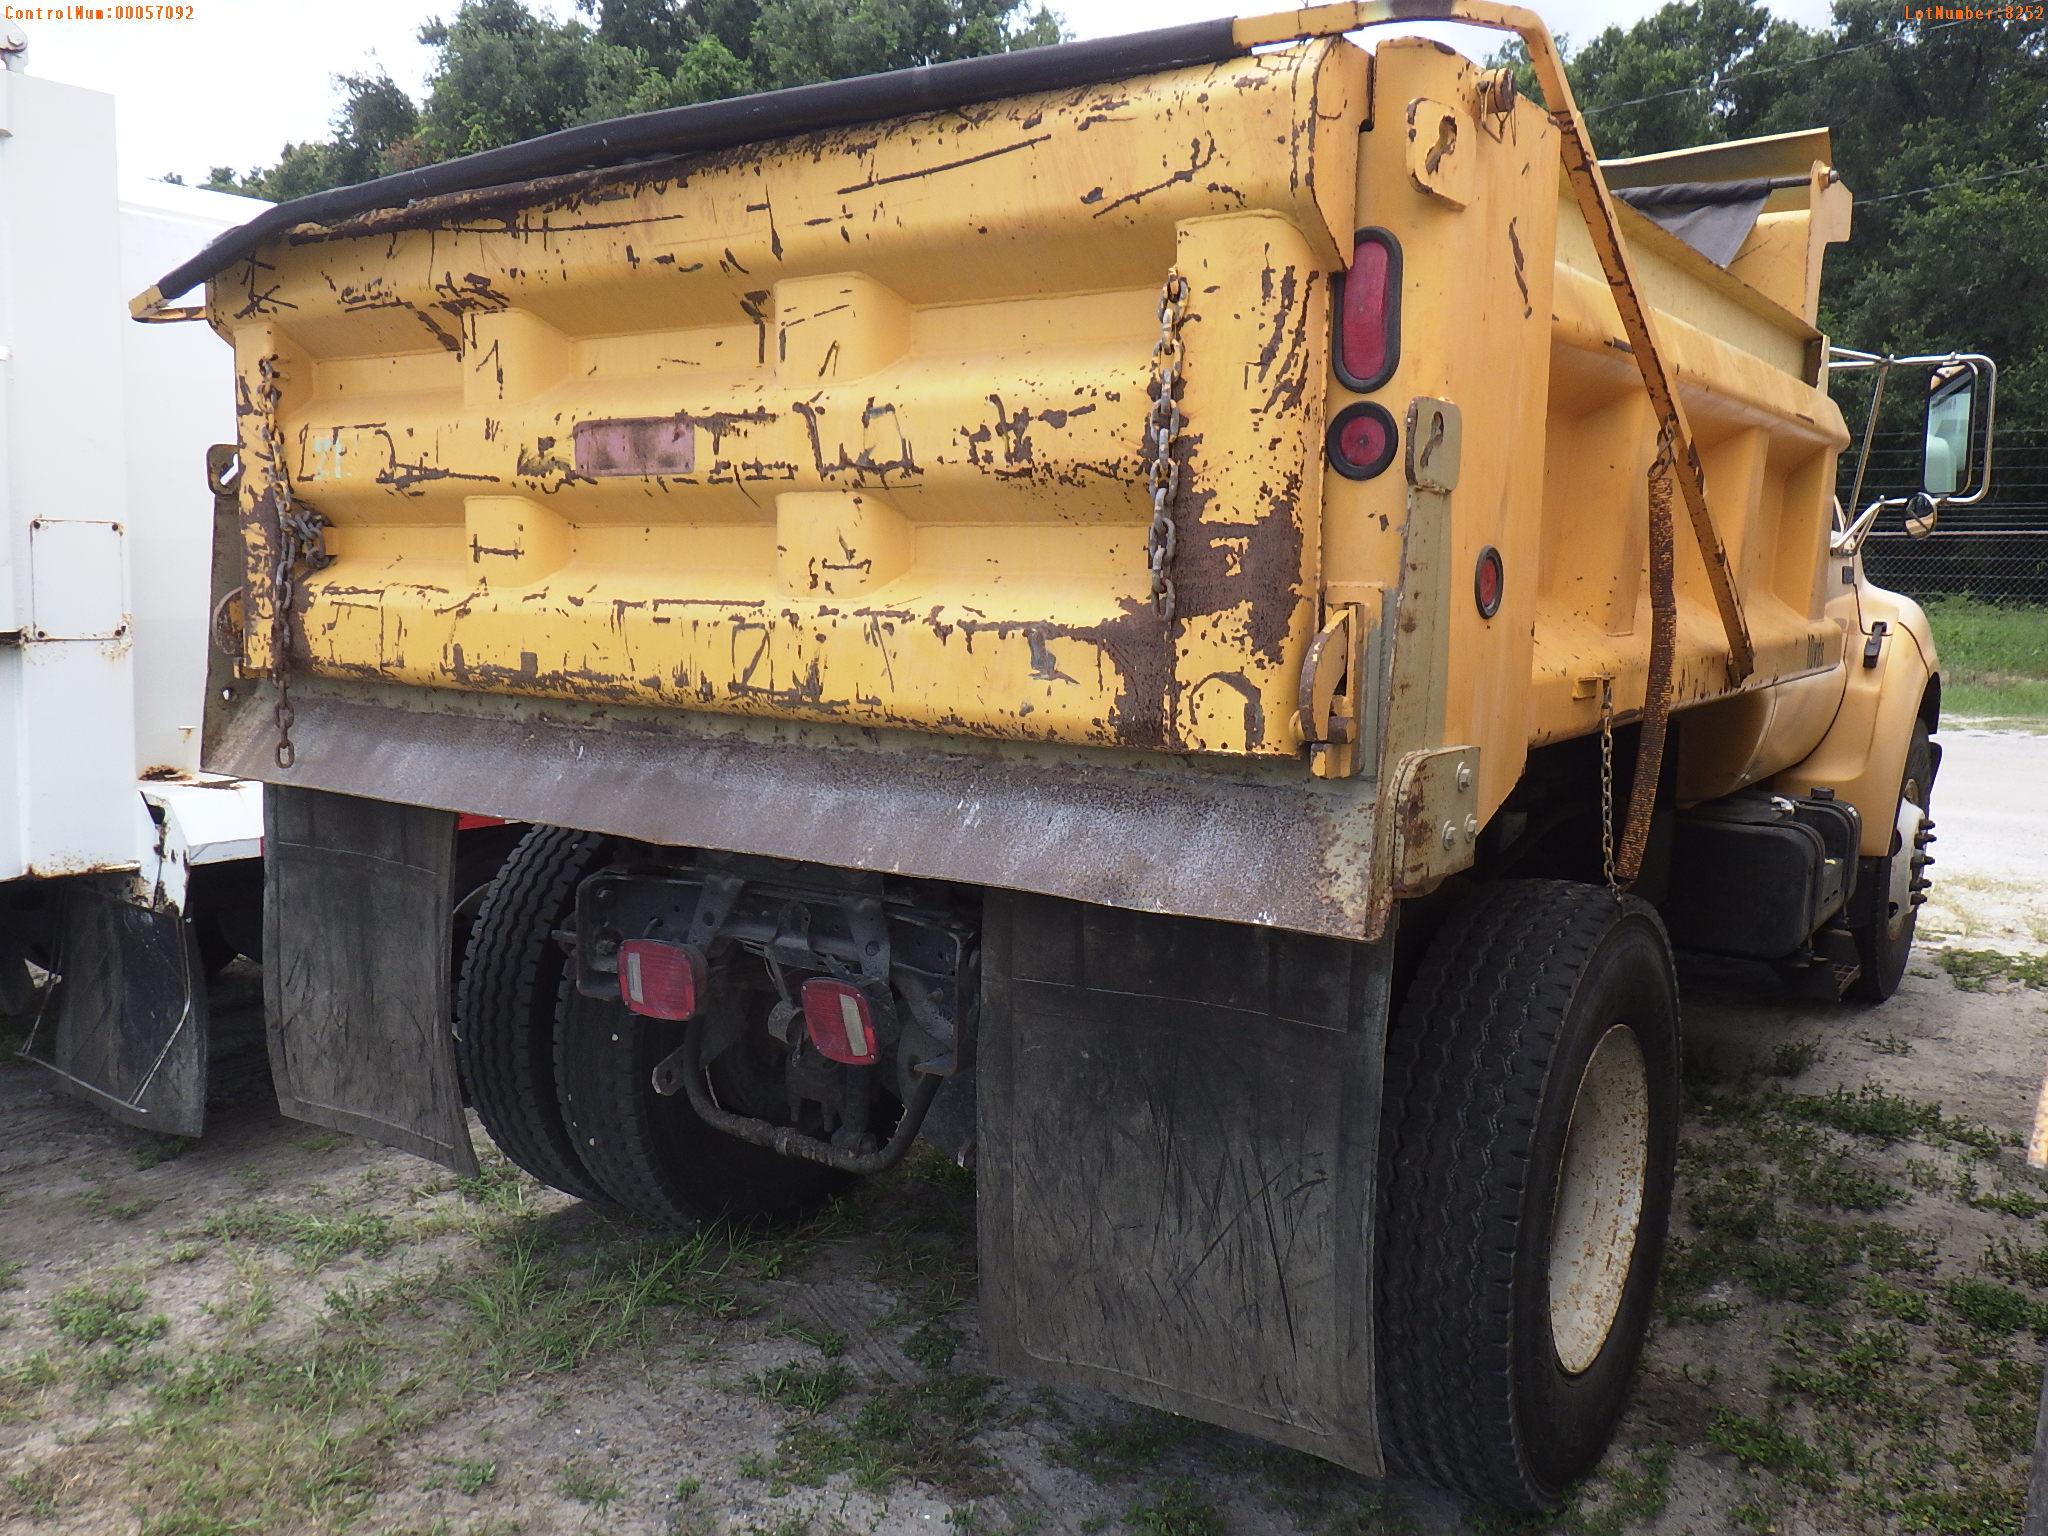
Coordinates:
(1992,848)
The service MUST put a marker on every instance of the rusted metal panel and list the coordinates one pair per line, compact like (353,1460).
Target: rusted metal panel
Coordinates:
(1273,848)
(840,428)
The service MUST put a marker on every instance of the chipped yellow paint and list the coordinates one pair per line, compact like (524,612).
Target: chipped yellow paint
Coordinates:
(847,429)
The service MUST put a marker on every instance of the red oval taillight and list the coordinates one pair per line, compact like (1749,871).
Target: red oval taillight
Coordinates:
(1368,341)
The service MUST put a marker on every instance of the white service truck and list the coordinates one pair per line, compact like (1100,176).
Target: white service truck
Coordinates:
(124,870)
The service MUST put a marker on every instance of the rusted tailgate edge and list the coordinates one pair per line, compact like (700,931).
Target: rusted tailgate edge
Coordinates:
(1281,853)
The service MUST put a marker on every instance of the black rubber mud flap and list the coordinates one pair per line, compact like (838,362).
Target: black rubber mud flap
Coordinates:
(1179,1143)
(356,907)
(124,1025)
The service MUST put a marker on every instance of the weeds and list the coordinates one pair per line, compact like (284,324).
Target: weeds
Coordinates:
(1772,1445)
(1793,1058)
(1174,1509)
(105,1314)
(807,1389)
(1877,1112)
(586,1485)
(1993,1308)
(1973,970)
(1624,1496)
(313,1240)
(2014,1261)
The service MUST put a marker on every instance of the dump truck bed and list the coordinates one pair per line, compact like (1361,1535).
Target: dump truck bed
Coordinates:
(847,429)
(803,495)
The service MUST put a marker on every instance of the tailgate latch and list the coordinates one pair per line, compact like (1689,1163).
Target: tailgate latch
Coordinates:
(1335,715)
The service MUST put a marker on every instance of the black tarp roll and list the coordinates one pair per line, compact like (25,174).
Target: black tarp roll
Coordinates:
(715,125)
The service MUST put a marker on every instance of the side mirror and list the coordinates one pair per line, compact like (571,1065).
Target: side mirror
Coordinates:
(1948,453)
(1922,513)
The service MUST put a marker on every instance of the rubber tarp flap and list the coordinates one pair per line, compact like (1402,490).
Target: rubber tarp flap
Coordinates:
(1713,217)
(356,903)
(1178,1159)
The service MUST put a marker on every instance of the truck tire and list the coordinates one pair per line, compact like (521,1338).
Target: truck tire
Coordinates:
(1885,938)
(653,1154)
(1528,1142)
(506,999)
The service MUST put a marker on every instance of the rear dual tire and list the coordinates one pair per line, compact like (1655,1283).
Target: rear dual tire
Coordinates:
(506,1003)
(564,1083)
(1529,1140)
(653,1154)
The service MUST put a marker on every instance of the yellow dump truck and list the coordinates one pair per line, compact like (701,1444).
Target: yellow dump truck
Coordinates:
(1188,618)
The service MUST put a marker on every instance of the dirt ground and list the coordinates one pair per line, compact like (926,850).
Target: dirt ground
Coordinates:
(282,1329)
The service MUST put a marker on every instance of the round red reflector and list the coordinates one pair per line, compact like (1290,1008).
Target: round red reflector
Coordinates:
(1360,441)
(1489,579)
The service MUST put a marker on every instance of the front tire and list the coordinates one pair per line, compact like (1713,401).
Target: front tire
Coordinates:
(1884,939)
(1529,1140)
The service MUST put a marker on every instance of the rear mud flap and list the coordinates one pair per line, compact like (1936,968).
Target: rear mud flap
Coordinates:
(1178,1163)
(124,1024)
(356,903)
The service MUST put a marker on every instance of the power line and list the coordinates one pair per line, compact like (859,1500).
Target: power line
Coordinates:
(1760,70)
(1960,181)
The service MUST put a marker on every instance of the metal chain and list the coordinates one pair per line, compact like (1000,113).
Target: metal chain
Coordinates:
(301,539)
(1607,785)
(1162,427)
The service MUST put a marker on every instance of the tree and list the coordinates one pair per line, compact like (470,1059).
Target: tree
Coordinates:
(503,73)
(1940,129)
(375,132)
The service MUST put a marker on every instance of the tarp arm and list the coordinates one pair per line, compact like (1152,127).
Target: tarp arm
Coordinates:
(1596,206)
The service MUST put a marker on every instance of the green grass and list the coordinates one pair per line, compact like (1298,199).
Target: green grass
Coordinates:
(1769,1443)
(806,1389)
(261,1435)
(1973,970)
(1994,658)
(105,1314)
(1876,1112)
(586,1485)
(1174,1509)
(314,1240)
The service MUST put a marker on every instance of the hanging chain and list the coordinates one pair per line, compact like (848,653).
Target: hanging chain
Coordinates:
(301,539)
(1162,427)
(1607,785)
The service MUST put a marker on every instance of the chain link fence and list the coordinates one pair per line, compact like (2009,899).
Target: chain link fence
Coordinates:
(1997,550)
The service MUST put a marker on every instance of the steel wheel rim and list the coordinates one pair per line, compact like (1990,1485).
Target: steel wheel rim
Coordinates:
(1913,852)
(1597,1209)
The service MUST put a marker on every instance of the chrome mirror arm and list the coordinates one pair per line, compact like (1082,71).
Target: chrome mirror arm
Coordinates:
(1844,542)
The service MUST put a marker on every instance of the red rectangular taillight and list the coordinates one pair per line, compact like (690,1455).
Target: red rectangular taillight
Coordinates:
(659,980)
(1368,341)
(841,1024)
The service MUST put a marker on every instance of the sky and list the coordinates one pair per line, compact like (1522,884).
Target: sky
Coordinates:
(239,78)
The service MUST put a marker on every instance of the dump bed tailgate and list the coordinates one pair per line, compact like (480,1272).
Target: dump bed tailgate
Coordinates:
(848,427)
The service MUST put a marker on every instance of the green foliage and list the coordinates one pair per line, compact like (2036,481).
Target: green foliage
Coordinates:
(1972,970)
(1771,1444)
(1940,130)
(1994,657)
(505,72)
(105,1314)
(1174,1509)
(1993,1307)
